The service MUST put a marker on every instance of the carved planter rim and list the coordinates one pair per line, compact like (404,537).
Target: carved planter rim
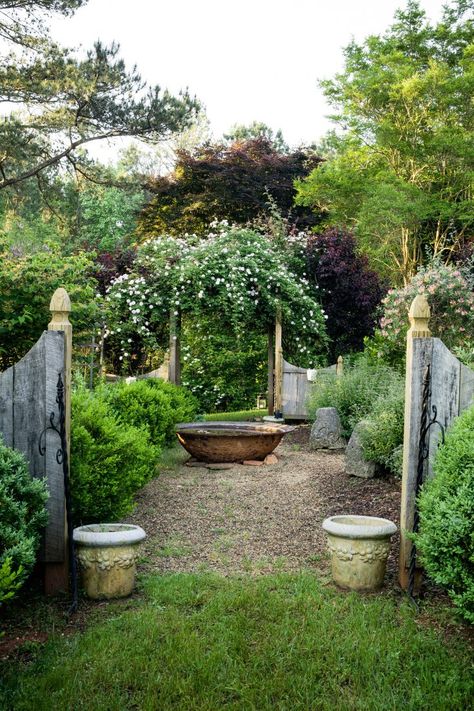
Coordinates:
(352,526)
(108,534)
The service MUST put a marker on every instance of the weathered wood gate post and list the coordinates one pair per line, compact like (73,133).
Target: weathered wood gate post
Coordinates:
(278,388)
(174,367)
(56,576)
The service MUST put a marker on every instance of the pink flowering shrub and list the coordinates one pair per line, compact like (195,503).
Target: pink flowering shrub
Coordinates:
(451,301)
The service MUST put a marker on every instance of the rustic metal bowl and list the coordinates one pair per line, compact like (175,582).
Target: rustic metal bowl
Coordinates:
(230,441)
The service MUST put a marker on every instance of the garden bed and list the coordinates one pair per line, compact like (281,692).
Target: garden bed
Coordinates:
(256,519)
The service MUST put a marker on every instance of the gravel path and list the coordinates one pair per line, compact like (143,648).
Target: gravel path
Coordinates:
(256,519)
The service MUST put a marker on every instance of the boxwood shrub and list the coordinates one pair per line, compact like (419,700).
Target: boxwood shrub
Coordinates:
(110,460)
(152,404)
(22,517)
(446,537)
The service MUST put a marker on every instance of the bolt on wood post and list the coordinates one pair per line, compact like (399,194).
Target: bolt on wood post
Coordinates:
(278,391)
(419,316)
(56,577)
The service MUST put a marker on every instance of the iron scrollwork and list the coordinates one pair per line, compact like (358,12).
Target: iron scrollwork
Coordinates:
(59,427)
(426,423)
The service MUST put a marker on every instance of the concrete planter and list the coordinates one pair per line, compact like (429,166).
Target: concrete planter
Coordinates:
(107,554)
(359,548)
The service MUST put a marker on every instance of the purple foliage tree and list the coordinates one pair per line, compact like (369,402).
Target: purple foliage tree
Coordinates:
(348,289)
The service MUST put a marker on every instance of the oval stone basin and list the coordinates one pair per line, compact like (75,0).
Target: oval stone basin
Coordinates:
(230,441)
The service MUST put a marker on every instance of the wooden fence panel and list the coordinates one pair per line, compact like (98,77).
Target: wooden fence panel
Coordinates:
(27,398)
(295,392)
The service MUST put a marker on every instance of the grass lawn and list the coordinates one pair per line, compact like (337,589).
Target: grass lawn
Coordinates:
(240,415)
(286,641)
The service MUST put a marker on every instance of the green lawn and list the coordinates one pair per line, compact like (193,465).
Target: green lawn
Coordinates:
(235,416)
(286,642)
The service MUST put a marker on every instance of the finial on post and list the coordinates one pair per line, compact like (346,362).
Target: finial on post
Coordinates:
(60,306)
(419,316)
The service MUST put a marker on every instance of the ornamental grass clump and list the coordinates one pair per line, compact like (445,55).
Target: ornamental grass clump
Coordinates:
(446,537)
(354,393)
(22,518)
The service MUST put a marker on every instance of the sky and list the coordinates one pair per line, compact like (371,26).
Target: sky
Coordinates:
(252,60)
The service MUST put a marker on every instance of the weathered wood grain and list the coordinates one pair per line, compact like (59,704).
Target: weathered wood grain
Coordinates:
(295,391)
(27,397)
(445,395)
(6,405)
(466,395)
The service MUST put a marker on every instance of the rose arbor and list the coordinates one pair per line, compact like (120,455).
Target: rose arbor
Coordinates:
(238,278)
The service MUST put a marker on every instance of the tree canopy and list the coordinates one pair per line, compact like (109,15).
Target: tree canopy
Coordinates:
(235,182)
(401,172)
(61,103)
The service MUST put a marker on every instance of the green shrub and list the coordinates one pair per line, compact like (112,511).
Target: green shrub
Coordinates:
(152,404)
(446,537)
(22,517)
(110,460)
(382,437)
(451,299)
(10,580)
(354,393)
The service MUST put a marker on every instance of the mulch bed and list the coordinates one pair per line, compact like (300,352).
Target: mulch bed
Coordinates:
(257,519)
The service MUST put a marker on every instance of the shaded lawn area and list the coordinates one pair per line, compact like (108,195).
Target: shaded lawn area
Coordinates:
(284,641)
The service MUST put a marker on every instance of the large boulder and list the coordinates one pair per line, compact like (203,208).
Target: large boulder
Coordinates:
(356,463)
(326,432)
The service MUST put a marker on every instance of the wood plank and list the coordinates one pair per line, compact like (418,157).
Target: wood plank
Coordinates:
(6,406)
(55,539)
(270,372)
(29,406)
(419,355)
(445,392)
(466,388)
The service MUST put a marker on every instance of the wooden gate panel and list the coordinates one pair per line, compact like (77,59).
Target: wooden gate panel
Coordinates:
(295,392)
(27,398)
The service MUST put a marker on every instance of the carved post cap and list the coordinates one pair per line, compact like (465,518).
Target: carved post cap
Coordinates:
(60,301)
(340,365)
(419,315)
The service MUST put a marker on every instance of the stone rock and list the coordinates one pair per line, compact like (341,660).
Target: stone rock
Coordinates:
(271,459)
(326,432)
(194,463)
(356,463)
(253,462)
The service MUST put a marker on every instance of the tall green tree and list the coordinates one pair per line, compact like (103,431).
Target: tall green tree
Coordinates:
(62,103)
(401,171)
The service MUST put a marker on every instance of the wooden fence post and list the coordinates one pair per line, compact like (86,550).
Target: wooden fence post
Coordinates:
(56,578)
(271,372)
(419,316)
(278,388)
(174,368)
(340,366)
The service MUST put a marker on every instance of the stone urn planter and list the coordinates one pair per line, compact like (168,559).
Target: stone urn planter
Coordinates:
(359,547)
(107,554)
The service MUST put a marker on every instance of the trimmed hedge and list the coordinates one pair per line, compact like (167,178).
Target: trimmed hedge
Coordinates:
(22,517)
(117,435)
(446,537)
(153,404)
(110,461)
